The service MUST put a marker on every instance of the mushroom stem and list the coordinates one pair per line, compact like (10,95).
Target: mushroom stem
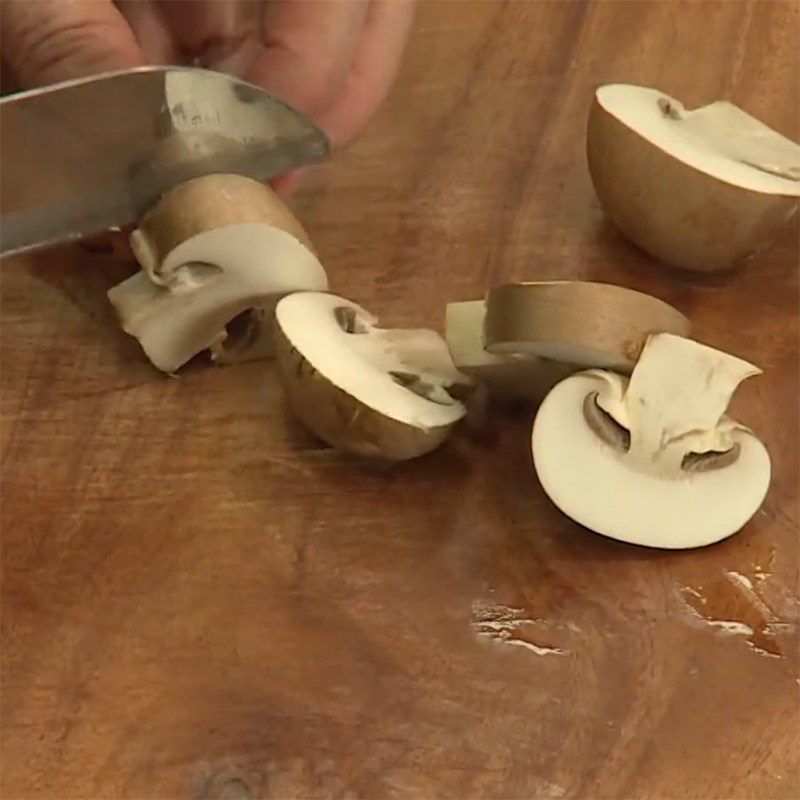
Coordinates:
(675,403)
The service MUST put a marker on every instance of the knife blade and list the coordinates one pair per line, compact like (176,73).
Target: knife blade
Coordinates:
(83,156)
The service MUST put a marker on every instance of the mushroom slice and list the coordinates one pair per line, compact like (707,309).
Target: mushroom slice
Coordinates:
(216,252)
(373,392)
(699,189)
(512,378)
(576,322)
(653,460)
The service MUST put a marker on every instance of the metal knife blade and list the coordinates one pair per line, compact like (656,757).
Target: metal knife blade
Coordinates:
(83,156)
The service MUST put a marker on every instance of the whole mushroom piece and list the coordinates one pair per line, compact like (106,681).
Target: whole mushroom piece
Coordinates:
(216,252)
(699,189)
(653,460)
(369,391)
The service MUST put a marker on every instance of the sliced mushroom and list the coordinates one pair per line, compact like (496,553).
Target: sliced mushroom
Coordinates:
(653,460)
(374,392)
(701,189)
(216,253)
(511,378)
(576,322)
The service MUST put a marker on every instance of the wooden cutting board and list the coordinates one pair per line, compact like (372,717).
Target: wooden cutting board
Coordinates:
(199,600)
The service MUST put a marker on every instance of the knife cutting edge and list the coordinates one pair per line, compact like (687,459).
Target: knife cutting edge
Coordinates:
(83,156)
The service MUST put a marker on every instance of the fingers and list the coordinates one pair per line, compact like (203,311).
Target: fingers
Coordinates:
(373,70)
(150,29)
(217,34)
(45,41)
(308,50)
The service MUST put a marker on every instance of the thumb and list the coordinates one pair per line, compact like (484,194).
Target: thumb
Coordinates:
(46,41)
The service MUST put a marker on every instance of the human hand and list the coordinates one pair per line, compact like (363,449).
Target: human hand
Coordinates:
(333,59)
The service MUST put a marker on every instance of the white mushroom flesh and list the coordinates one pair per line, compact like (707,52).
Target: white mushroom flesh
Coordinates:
(719,139)
(402,374)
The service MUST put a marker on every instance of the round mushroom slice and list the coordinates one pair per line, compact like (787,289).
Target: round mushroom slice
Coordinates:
(700,189)
(217,253)
(653,460)
(511,378)
(576,322)
(373,392)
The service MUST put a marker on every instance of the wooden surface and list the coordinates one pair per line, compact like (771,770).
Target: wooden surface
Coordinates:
(200,601)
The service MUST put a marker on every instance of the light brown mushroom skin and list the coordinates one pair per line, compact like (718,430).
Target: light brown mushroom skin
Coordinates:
(607,317)
(509,382)
(673,212)
(344,422)
(205,203)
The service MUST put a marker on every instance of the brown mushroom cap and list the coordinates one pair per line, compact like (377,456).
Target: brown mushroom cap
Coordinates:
(208,203)
(576,322)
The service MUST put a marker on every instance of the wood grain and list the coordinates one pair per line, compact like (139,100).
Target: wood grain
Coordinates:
(199,601)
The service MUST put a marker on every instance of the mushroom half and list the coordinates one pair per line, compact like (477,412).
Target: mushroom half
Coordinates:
(370,391)
(217,253)
(576,322)
(653,460)
(700,189)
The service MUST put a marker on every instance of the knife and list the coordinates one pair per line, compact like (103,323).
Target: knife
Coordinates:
(86,155)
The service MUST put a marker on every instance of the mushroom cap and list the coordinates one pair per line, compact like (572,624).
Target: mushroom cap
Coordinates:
(205,204)
(366,390)
(600,488)
(514,377)
(700,189)
(576,322)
